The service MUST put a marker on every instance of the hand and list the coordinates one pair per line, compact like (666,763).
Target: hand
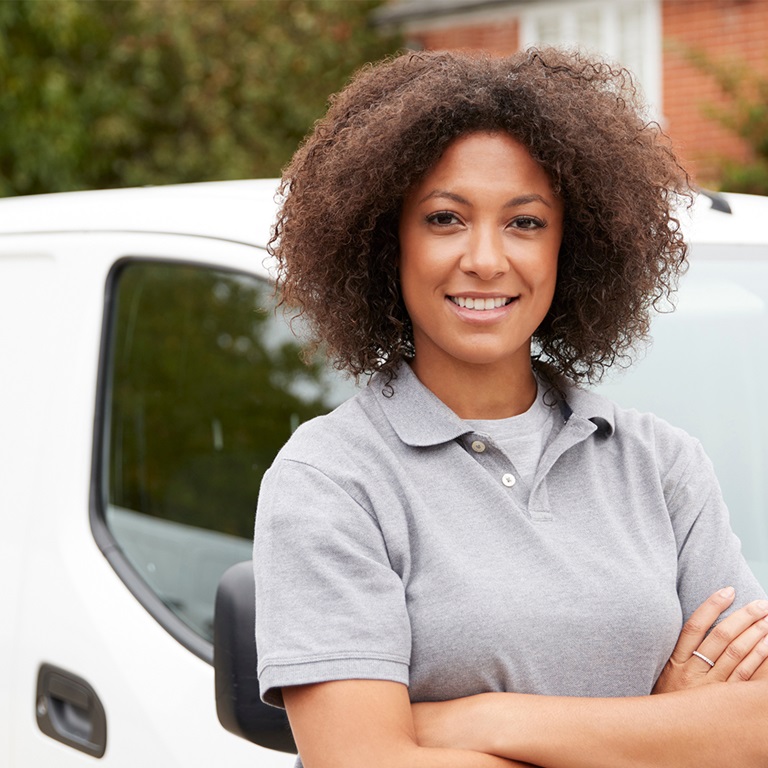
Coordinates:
(738,645)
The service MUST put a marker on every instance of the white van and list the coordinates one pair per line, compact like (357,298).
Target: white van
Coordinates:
(146,384)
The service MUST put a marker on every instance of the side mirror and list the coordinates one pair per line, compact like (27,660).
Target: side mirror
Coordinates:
(238,703)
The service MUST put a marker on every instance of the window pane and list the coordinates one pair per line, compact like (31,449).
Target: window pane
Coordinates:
(589,29)
(547,28)
(631,26)
(205,386)
(627,32)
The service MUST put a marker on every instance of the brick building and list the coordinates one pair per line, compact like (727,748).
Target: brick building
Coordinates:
(653,38)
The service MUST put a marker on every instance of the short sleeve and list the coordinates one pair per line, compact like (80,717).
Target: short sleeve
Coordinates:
(709,552)
(328,604)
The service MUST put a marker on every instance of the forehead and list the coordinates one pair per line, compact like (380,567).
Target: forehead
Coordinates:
(487,159)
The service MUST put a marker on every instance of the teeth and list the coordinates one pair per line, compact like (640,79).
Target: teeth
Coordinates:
(481,304)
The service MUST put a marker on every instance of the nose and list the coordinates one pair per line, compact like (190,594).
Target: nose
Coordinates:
(484,255)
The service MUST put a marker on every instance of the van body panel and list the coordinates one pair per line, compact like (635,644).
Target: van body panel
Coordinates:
(66,606)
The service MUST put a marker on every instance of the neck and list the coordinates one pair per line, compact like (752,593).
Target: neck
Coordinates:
(481,391)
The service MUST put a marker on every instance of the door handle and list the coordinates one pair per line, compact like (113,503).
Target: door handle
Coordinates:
(69,711)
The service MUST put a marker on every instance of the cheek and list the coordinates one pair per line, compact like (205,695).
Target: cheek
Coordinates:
(542,269)
(551,283)
(546,281)
(420,265)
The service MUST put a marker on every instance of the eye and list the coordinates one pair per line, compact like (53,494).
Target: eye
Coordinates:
(443,218)
(527,222)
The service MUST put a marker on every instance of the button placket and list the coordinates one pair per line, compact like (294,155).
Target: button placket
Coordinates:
(494,459)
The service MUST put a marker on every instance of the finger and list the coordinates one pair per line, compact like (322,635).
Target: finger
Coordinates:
(753,660)
(695,629)
(733,638)
(737,652)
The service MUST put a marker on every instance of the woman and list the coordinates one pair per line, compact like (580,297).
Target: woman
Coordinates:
(474,562)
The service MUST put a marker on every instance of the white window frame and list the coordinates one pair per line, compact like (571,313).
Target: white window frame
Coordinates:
(566,14)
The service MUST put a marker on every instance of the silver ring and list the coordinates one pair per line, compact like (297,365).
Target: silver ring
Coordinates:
(704,658)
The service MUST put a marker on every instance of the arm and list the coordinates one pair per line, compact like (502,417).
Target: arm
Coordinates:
(697,726)
(704,727)
(356,723)
(370,722)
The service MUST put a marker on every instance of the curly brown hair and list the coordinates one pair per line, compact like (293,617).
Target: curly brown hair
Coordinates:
(336,235)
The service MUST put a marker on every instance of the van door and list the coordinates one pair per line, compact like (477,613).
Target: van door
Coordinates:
(166,385)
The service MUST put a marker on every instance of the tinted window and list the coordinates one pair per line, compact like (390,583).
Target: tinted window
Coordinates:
(205,384)
(706,372)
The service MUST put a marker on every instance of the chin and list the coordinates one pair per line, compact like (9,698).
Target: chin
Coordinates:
(478,356)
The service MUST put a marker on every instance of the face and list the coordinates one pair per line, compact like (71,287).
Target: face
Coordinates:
(479,239)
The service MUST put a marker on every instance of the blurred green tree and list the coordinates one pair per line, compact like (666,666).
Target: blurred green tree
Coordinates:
(745,114)
(133,92)
(206,385)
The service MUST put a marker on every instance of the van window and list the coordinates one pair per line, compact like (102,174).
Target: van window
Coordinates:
(204,385)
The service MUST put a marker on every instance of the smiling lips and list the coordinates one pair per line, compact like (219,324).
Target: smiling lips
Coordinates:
(467,302)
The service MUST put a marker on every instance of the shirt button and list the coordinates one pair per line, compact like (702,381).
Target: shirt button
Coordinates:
(508,480)
(478,446)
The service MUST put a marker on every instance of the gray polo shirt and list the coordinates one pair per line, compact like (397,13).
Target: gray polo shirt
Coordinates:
(393,542)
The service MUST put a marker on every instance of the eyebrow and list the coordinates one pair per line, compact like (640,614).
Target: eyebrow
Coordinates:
(512,203)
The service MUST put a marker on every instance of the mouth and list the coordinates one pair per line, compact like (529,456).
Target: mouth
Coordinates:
(481,304)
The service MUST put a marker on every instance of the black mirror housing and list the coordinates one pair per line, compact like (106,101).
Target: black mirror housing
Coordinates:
(238,702)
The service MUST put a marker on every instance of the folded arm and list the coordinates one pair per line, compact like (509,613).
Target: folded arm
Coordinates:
(712,725)
(699,719)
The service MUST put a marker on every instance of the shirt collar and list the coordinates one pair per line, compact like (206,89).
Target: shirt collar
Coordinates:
(421,419)
(418,416)
(592,407)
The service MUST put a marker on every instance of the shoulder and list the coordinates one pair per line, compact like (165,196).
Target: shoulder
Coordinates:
(354,432)
(334,466)
(636,433)
(647,451)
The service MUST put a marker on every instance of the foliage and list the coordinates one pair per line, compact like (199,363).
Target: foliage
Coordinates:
(745,114)
(134,92)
